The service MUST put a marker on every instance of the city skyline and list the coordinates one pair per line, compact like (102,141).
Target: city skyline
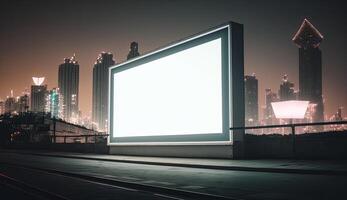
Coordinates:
(88,40)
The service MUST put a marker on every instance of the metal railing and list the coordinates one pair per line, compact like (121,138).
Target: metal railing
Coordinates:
(292,126)
(93,136)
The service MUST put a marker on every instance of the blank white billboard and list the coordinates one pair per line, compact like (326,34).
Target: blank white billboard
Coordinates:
(179,94)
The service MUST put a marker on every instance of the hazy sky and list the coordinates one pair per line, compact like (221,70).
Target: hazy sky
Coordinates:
(35,37)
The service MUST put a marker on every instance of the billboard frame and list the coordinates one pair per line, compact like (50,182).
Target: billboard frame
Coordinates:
(230,75)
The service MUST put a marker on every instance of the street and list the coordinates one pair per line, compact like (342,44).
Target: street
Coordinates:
(225,183)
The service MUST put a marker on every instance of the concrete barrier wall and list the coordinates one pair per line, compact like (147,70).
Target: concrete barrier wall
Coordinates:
(201,151)
(307,146)
(99,148)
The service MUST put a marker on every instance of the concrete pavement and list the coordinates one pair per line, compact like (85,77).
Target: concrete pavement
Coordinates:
(324,167)
(240,184)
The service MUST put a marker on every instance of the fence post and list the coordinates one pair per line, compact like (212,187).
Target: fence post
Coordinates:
(54,129)
(293,137)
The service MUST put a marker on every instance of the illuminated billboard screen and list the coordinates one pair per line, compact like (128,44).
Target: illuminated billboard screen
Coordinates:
(179,93)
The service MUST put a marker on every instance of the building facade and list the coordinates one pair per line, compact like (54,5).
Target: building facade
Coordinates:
(68,83)
(269,115)
(38,95)
(55,104)
(100,90)
(2,107)
(308,39)
(251,100)
(286,91)
(23,103)
(10,104)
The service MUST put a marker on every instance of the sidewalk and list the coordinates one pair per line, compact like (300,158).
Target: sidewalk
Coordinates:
(323,167)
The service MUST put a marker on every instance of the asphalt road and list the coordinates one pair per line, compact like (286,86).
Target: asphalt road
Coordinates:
(233,184)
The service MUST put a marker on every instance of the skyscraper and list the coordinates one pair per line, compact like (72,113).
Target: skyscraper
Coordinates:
(100,89)
(308,39)
(2,107)
(23,103)
(68,83)
(286,91)
(134,51)
(54,104)
(38,95)
(251,100)
(269,115)
(10,103)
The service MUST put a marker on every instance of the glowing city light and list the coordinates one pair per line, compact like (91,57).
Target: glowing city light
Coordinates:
(38,80)
(290,109)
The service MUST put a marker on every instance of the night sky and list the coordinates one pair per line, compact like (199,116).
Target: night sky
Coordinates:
(36,36)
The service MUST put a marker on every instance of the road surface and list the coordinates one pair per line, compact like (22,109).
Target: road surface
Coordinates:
(141,181)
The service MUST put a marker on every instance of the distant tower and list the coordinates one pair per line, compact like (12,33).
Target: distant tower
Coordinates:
(251,100)
(308,39)
(38,95)
(100,89)
(10,103)
(2,107)
(134,51)
(286,91)
(54,104)
(269,115)
(68,83)
(23,103)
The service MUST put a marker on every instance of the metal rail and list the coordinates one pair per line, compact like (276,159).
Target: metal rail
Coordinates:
(288,125)
(292,126)
(85,136)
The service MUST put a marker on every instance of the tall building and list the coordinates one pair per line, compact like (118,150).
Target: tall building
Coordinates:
(134,51)
(308,39)
(269,115)
(338,115)
(286,91)
(68,83)
(55,104)
(10,103)
(251,100)
(38,95)
(2,107)
(23,103)
(100,89)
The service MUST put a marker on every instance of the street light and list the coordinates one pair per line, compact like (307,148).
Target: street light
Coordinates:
(292,109)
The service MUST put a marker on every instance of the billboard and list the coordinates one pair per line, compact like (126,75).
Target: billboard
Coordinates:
(176,94)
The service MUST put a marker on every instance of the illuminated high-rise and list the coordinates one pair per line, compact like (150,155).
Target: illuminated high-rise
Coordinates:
(100,89)
(55,104)
(134,51)
(38,95)
(10,103)
(308,39)
(251,100)
(68,83)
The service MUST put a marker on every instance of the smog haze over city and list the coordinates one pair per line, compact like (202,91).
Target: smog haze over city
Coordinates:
(36,36)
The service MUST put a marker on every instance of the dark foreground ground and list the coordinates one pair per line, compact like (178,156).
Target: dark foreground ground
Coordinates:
(34,175)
